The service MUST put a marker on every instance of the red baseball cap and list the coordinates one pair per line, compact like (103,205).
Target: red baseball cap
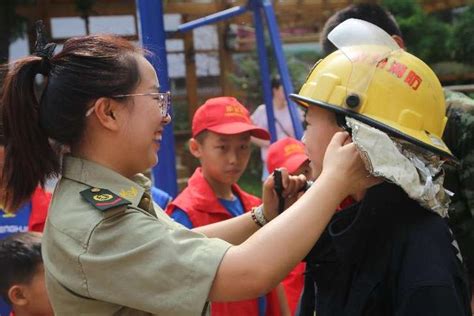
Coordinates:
(286,152)
(225,115)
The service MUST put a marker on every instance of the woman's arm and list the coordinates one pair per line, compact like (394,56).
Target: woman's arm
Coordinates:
(260,262)
(236,230)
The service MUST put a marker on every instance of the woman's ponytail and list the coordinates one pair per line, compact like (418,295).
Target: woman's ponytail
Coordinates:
(29,157)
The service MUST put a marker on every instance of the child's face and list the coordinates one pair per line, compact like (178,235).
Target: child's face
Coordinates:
(279,93)
(321,127)
(223,157)
(304,169)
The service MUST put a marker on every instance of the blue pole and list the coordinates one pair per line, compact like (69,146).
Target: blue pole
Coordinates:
(282,66)
(216,17)
(264,71)
(153,39)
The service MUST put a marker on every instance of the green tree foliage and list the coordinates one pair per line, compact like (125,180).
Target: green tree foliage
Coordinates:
(247,75)
(463,37)
(246,78)
(425,35)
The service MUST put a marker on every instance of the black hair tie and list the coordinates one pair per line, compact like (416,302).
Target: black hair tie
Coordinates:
(43,49)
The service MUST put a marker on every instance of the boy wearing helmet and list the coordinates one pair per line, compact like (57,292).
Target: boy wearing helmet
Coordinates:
(458,134)
(385,254)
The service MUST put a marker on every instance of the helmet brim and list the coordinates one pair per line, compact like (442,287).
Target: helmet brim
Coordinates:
(397,132)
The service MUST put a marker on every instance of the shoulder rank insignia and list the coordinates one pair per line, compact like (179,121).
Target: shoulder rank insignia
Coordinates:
(103,199)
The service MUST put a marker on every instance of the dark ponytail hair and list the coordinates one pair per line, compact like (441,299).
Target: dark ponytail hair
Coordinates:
(86,69)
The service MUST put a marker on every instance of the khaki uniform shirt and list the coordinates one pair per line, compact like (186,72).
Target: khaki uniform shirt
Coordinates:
(126,260)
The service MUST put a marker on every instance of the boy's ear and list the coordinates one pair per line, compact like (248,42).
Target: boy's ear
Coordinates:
(195,147)
(16,295)
(399,41)
(106,111)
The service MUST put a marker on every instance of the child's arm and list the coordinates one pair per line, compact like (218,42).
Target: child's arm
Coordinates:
(283,301)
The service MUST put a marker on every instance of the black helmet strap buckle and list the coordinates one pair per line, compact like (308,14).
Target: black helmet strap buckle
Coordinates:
(341,122)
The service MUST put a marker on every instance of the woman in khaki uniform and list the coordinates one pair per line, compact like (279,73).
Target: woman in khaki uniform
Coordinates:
(107,250)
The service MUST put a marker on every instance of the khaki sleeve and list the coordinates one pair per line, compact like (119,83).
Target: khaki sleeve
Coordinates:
(145,263)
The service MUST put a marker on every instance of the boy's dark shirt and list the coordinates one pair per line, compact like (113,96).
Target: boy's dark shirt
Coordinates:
(386,256)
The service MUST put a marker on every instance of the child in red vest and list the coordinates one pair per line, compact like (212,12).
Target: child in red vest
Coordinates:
(289,153)
(221,132)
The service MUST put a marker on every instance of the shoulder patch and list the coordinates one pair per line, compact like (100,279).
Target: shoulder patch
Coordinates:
(103,199)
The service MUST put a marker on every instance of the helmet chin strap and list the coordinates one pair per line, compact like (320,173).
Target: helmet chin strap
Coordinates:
(341,122)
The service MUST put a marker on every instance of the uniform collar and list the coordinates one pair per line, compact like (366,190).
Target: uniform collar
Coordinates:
(96,175)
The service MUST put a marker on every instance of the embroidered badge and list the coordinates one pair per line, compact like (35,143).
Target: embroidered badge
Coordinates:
(129,194)
(103,199)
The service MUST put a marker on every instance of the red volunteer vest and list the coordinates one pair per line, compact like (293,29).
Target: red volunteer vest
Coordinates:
(202,206)
(39,209)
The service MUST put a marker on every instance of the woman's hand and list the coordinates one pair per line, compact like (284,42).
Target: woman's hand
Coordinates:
(292,186)
(342,162)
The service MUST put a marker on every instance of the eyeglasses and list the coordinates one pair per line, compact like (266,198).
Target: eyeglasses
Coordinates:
(163,99)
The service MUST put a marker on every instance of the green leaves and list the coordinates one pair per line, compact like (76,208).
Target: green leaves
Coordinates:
(463,35)
(435,37)
(426,36)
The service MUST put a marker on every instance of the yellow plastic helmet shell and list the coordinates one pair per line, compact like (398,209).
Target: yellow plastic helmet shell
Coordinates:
(396,93)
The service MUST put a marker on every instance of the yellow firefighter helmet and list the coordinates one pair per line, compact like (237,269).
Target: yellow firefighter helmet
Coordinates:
(371,79)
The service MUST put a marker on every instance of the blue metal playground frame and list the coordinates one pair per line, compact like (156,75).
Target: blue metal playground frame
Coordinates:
(153,38)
